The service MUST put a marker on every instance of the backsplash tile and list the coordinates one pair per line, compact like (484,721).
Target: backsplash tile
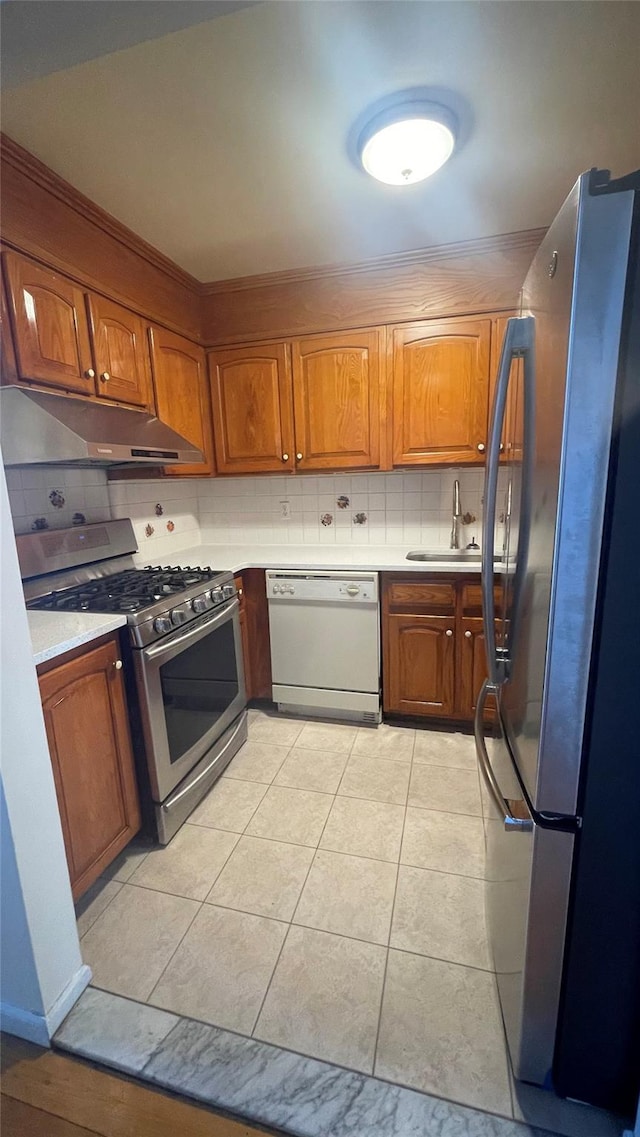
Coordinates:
(52,496)
(399,507)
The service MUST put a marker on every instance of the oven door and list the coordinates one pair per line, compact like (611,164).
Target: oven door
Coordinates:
(191,688)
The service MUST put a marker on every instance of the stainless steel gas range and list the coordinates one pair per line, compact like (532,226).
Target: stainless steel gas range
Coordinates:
(182,650)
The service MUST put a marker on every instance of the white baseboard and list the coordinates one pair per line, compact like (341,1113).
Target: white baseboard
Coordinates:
(41,1028)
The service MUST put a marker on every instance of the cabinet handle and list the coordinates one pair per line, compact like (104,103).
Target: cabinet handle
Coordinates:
(481,447)
(299,457)
(467,635)
(89,373)
(285,457)
(448,632)
(105,376)
(118,664)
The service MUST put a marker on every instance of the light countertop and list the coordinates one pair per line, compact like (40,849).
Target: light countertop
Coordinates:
(381,558)
(53,633)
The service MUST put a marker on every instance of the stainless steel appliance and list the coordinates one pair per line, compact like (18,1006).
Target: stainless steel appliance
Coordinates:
(184,653)
(41,428)
(561,773)
(325,643)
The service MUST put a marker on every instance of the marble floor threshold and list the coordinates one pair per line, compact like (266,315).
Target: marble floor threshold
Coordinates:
(304,1097)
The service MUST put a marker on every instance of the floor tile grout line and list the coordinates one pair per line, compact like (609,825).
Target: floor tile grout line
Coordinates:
(393,908)
(195,915)
(107,905)
(171,957)
(268,988)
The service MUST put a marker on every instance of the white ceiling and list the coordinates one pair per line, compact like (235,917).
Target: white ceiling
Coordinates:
(225,144)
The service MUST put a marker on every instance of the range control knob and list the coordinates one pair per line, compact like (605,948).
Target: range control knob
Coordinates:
(216,595)
(229,590)
(199,604)
(162,624)
(178,616)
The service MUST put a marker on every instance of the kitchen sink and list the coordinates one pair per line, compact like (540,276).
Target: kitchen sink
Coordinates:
(450,555)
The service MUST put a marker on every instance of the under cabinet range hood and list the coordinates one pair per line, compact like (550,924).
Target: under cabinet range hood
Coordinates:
(37,428)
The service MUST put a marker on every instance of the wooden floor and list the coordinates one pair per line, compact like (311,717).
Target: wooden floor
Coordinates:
(47,1094)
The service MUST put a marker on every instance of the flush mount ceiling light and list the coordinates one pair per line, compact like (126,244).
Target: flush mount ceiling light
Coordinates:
(407,143)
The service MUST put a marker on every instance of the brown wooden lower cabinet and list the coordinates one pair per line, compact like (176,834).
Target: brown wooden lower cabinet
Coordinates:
(434,660)
(419,665)
(87,725)
(254,627)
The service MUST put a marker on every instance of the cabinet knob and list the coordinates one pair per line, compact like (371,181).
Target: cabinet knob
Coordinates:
(118,664)
(89,373)
(501,447)
(299,457)
(105,376)
(285,457)
(467,635)
(240,592)
(448,632)
(481,447)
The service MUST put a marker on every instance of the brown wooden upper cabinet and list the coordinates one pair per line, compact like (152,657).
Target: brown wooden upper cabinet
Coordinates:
(440,391)
(182,394)
(73,340)
(314,404)
(252,409)
(512,426)
(50,324)
(120,351)
(337,400)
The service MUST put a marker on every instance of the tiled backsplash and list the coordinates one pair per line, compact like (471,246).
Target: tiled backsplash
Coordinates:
(342,509)
(412,508)
(55,497)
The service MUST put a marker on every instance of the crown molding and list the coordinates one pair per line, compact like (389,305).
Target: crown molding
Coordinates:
(31,167)
(525,239)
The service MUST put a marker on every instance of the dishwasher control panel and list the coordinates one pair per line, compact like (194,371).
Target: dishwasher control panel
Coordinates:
(356,587)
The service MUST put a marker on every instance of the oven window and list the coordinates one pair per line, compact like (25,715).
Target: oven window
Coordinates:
(197,687)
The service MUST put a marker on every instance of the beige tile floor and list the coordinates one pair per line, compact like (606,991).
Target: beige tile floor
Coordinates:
(326,896)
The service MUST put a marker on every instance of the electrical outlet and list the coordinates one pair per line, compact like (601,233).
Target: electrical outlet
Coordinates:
(285,511)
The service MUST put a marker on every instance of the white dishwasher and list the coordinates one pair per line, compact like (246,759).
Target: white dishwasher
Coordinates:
(325,643)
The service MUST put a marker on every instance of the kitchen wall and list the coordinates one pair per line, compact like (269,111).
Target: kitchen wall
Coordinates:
(341,509)
(412,508)
(54,497)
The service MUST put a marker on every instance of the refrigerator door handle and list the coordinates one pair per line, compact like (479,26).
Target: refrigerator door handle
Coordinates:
(518,341)
(512,823)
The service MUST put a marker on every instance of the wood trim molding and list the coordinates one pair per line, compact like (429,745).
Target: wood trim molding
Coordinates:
(525,238)
(48,219)
(465,278)
(14,155)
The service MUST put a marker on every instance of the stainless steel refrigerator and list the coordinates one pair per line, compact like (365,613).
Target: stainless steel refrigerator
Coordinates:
(561,770)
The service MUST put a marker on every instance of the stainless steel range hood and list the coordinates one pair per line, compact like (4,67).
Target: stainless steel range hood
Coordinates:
(41,429)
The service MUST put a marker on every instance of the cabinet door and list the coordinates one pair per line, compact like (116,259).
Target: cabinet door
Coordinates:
(8,368)
(120,351)
(88,732)
(182,394)
(419,667)
(252,410)
(472,668)
(512,412)
(440,379)
(337,400)
(50,324)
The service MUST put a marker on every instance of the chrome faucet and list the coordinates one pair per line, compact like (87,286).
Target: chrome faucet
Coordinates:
(457,514)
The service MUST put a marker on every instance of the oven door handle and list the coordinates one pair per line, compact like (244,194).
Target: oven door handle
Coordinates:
(173,799)
(192,633)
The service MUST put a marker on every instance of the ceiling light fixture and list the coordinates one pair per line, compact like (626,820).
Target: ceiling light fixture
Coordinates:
(407,142)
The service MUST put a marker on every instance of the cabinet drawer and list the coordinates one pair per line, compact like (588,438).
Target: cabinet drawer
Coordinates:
(472,599)
(412,596)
